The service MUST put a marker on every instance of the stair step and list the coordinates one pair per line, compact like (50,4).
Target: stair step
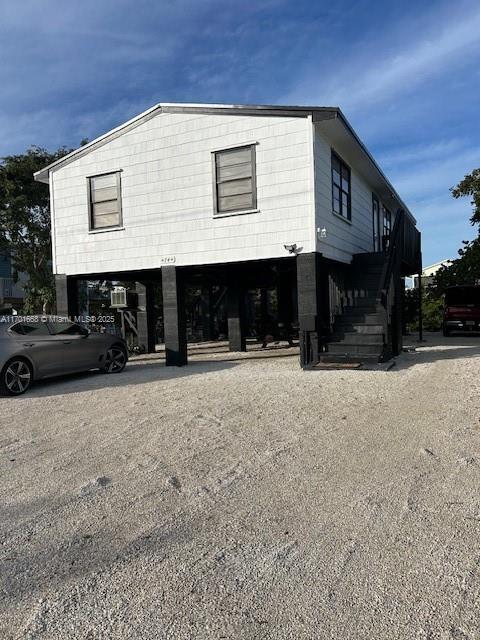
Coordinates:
(369,283)
(365,300)
(350,359)
(361,316)
(357,338)
(369,294)
(343,325)
(348,349)
(361,309)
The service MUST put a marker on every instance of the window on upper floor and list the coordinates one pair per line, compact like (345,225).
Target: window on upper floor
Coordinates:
(234,180)
(341,188)
(377,240)
(105,203)
(386,227)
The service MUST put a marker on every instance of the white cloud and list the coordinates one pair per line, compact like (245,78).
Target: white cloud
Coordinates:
(382,67)
(423,179)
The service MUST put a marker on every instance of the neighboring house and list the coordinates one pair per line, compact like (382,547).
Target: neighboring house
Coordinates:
(243,197)
(11,293)
(428,273)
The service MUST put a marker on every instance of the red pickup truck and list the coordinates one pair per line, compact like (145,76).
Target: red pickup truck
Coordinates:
(461,311)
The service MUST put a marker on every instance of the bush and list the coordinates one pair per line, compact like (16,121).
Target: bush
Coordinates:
(431,309)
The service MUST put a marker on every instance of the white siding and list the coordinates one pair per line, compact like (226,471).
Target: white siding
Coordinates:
(167,195)
(343,238)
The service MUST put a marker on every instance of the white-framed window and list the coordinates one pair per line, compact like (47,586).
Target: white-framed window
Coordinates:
(234,180)
(341,187)
(105,201)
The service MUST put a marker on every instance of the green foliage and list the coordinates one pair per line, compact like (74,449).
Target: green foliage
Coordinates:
(466,268)
(463,270)
(25,223)
(431,309)
(470,186)
(410,309)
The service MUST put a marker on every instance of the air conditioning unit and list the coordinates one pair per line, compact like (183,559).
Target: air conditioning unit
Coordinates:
(122,298)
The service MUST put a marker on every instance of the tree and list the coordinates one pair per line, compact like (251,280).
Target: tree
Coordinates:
(25,224)
(466,268)
(470,186)
(463,270)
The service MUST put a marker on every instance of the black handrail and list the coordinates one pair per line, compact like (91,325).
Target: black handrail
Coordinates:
(394,254)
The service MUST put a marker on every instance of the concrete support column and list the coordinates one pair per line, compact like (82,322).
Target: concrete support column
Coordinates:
(174,319)
(146,316)
(236,315)
(66,295)
(313,311)
(207,313)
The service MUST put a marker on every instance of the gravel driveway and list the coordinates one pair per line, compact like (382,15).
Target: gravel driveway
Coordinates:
(245,500)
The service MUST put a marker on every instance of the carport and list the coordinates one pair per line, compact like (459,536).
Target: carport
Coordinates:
(233,302)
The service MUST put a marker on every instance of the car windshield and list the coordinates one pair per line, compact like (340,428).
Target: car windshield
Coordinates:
(462,296)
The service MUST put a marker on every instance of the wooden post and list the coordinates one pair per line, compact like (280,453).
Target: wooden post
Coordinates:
(146,315)
(207,313)
(420,310)
(174,317)
(236,314)
(420,288)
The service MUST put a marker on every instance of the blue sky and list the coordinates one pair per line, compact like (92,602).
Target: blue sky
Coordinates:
(406,74)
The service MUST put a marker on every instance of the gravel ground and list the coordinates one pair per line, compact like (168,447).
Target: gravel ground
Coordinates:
(245,499)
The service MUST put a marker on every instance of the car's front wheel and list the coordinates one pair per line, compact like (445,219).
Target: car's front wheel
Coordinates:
(15,378)
(115,360)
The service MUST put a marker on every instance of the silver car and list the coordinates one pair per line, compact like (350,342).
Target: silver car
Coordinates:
(35,348)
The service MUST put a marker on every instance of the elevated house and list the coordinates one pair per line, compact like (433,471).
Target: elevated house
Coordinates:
(239,197)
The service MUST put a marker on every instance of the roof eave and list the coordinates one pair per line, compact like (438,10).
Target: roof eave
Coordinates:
(318,114)
(43,174)
(389,185)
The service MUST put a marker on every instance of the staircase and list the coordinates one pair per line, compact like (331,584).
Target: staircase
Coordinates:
(369,329)
(359,332)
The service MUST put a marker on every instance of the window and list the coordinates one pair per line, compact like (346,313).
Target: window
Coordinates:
(234,180)
(68,329)
(376,223)
(17,328)
(33,329)
(341,197)
(387,227)
(104,201)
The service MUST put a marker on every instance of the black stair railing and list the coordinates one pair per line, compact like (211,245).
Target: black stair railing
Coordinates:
(388,296)
(394,257)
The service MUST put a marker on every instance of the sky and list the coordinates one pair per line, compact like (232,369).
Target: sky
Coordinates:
(406,74)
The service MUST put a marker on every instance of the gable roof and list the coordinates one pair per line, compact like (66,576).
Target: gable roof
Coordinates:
(318,115)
